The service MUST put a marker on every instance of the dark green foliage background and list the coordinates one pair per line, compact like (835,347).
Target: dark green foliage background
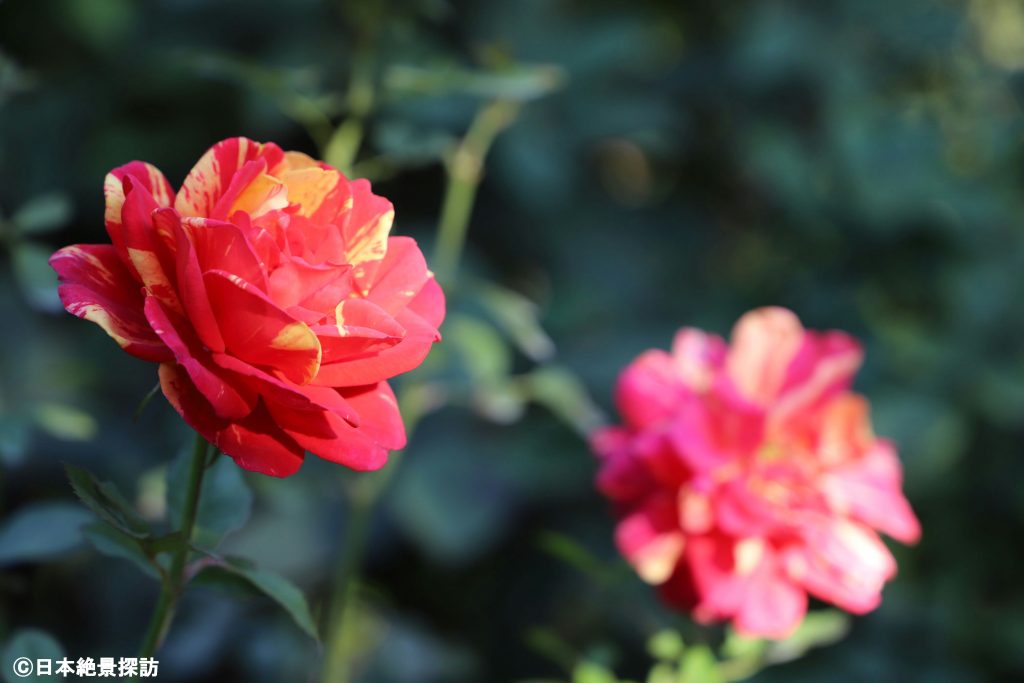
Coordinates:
(858,161)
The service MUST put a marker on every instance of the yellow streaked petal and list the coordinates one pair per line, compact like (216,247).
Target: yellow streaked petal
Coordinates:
(148,266)
(370,243)
(296,336)
(656,561)
(265,193)
(297,160)
(308,187)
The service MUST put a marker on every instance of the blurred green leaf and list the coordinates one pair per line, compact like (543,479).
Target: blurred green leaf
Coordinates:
(225,502)
(42,214)
(32,644)
(114,543)
(433,491)
(663,672)
(741,647)
(666,645)
(699,665)
(13,79)
(547,643)
(37,280)
(296,91)
(103,23)
(104,499)
(407,144)
(517,316)
(589,672)
(818,629)
(14,437)
(561,392)
(481,350)
(40,531)
(228,573)
(62,421)
(519,83)
(573,554)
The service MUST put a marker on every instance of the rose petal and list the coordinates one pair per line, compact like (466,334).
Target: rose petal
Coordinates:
(191,288)
(842,562)
(362,328)
(648,390)
(96,285)
(366,226)
(822,368)
(651,540)
(251,191)
(870,490)
(764,342)
(229,399)
(221,245)
(379,417)
(319,193)
(295,282)
(259,332)
(697,356)
(255,443)
(429,304)
(329,437)
(211,177)
(143,175)
(149,246)
(384,364)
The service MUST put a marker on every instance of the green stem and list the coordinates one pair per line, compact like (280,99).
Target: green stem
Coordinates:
(341,612)
(465,170)
(343,146)
(366,490)
(172,585)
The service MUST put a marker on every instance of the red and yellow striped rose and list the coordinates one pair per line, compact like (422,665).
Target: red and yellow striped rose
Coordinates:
(270,293)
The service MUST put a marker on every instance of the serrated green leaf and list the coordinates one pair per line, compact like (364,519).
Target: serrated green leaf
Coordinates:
(226,573)
(42,214)
(104,499)
(40,531)
(225,501)
(32,644)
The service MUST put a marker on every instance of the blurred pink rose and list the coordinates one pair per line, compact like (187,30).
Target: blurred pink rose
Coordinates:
(747,476)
